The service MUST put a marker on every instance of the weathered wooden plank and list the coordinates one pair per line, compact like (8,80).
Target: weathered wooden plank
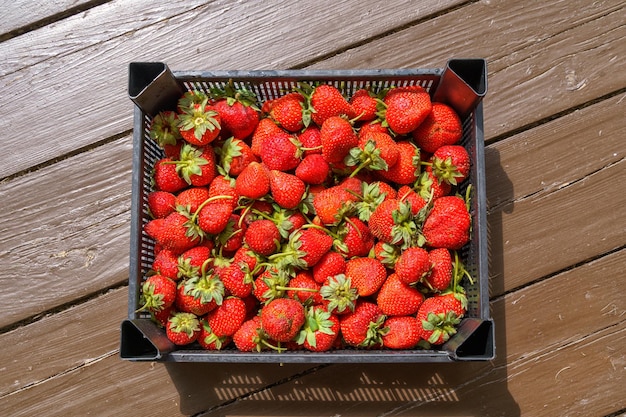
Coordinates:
(67,92)
(64,231)
(530,48)
(26,12)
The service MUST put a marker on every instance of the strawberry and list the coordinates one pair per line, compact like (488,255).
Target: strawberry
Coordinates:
(417,202)
(306,247)
(447,224)
(311,140)
(367,275)
(192,198)
(161,203)
(287,189)
(440,275)
(372,195)
(213,216)
(222,186)
(227,318)
(208,340)
(162,316)
(451,163)
(166,177)
(338,294)
(438,320)
(387,254)
(199,125)
(288,112)
(364,104)
(337,138)
(412,264)
(327,101)
(253,182)
(182,328)
(389,151)
(231,238)
(266,128)
(406,168)
(456,302)
(158,293)
(262,237)
(172,232)
(330,264)
(310,289)
(196,165)
(355,238)
(332,204)
(372,127)
(429,187)
(403,332)
(270,284)
(191,99)
(282,319)
(237,109)
(392,222)
(235,155)
(441,127)
(397,298)
(406,108)
(364,326)
(166,263)
(190,262)
(164,131)
(280,151)
(313,169)
(250,336)
(320,330)
(237,280)
(188,303)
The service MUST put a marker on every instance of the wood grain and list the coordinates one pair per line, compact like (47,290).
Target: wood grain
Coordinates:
(26,12)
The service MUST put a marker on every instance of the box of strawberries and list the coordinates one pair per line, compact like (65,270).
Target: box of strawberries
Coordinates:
(308,216)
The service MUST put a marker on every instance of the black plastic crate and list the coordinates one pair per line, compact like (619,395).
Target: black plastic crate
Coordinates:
(461,84)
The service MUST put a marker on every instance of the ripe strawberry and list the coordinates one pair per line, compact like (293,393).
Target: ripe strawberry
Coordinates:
(172,232)
(262,237)
(412,264)
(367,275)
(451,163)
(406,108)
(331,204)
(213,215)
(253,182)
(206,287)
(227,318)
(327,101)
(166,177)
(235,156)
(364,105)
(311,140)
(310,289)
(447,224)
(190,262)
(266,128)
(455,301)
(387,254)
(356,239)
(282,319)
(287,189)
(306,247)
(330,264)
(417,202)
(313,169)
(196,165)
(389,151)
(192,198)
(157,293)
(364,326)
(406,168)
(440,275)
(320,330)
(209,340)
(166,263)
(199,124)
(339,295)
(237,280)
(231,238)
(188,303)
(250,337)
(373,194)
(288,111)
(164,131)
(270,284)
(183,328)
(441,127)
(397,298)
(191,99)
(337,137)
(438,320)
(280,151)
(403,332)
(161,203)
(429,187)
(237,109)
(162,316)
(372,127)
(392,222)
(222,186)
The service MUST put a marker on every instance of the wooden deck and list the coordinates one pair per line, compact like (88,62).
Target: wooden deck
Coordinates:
(555,129)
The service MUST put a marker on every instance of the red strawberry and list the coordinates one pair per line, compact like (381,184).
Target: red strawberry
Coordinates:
(161,317)
(438,320)
(266,128)
(287,189)
(190,262)
(196,165)
(214,214)
(456,302)
(392,222)
(280,151)
(188,303)
(329,265)
(157,293)
(209,340)
(237,280)
(396,298)
(199,124)
(440,275)
(417,202)
(166,177)
(192,198)
(227,318)
(338,294)
(406,168)
(263,237)
(231,238)
(332,204)
(356,239)
(364,105)
(235,156)
(311,140)
(320,330)
(237,110)
(368,128)
(306,247)
(310,289)
(164,131)
(367,275)
(161,203)
(191,99)
(327,101)
(282,319)
(441,127)
(222,186)
(337,137)
(183,328)
(269,285)
(386,253)
(172,232)
(406,108)
(313,169)
(429,187)
(166,263)
(451,163)
(250,336)
(412,264)
(206,287)
(287,112)
(253,182)
(403,332)
(447,224)
(363,327)
(389,151)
